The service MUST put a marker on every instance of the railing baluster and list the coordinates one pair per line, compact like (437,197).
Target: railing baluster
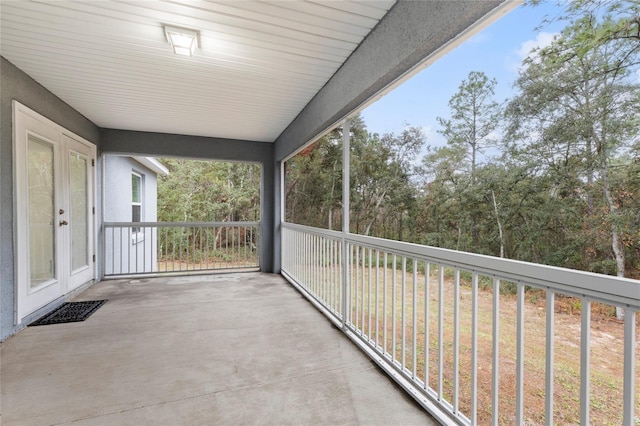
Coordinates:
(456,341)
(129,252)
(369,297)
(356,282)
(404,311)
(329,275)
(325,270)
(628,417)
(207,249)
(520,354)
(315,261)
(313,265)
(180,237)
(362,323)
(136,249)
(427,301)
(585,348)
(495,377)
(440,330)
(393,309)
(474,349)
(113,250)
(235,241)
(384,306)
(337,276)
(377,331)
(321,272)
(144,251)
(549,358)
(415,318)
(174,244)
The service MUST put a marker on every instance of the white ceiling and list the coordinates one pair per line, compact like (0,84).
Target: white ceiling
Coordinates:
(258,65)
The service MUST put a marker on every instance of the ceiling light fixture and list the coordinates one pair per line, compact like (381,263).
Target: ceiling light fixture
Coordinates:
(184,41)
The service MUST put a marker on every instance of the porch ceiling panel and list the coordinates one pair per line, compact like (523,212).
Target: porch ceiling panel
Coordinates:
(259,62)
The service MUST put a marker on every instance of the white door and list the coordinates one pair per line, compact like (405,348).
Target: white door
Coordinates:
(54,181)
(78,243)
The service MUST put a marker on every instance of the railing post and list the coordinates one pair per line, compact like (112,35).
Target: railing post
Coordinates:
(346,129)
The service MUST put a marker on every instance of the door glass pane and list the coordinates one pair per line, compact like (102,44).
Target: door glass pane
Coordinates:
(78,218)
(42,231)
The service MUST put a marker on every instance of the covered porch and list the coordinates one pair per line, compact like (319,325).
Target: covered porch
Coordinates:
(238,349)
(241,348)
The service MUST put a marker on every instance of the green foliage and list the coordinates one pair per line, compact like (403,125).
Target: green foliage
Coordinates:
(313,183)
(592,25)
(208,191)
(382,193)
(572,123)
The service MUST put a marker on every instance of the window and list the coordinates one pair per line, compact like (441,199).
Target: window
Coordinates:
(136,200)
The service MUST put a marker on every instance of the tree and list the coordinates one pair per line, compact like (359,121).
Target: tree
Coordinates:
(475,118)
(381,187)
(313,183)
(596,24)
(573,118)
(208,191)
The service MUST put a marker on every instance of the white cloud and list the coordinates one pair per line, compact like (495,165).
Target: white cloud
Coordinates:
(542,40)
(428,132)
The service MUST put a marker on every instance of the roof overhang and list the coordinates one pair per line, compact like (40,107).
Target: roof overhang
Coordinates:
(152,164)
(256,66)
(277,71)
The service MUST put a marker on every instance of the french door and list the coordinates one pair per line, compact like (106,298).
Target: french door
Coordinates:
(54,181)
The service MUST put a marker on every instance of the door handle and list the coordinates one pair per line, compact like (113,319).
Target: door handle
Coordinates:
(63,222)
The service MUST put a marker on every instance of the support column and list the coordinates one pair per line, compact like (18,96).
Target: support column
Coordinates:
(346,186)
(269,218)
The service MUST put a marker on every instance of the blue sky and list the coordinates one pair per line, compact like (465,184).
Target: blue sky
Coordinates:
(497,51)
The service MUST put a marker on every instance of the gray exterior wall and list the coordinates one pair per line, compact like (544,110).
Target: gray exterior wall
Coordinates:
(117,199)
(15,84)
(117,208)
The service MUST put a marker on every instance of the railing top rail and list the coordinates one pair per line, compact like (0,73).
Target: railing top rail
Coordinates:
(606,288)
(318,231)
(176,224)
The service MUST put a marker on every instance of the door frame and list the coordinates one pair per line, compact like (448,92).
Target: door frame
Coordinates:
(22,115)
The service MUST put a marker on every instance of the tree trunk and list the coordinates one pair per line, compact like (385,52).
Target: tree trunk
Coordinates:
(495,208)
(616,243)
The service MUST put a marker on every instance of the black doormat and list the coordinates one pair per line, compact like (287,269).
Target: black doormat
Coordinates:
(70,312)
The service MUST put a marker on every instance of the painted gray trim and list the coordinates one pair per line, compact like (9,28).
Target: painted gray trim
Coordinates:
(276,221)
(408,33)
(152,164)
(135,143)
(126,142)
(16,85)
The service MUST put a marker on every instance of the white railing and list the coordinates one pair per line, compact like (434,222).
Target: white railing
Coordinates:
(152,248)
(477,339)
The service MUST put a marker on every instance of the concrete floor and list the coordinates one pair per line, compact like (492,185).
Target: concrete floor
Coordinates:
(220,349)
